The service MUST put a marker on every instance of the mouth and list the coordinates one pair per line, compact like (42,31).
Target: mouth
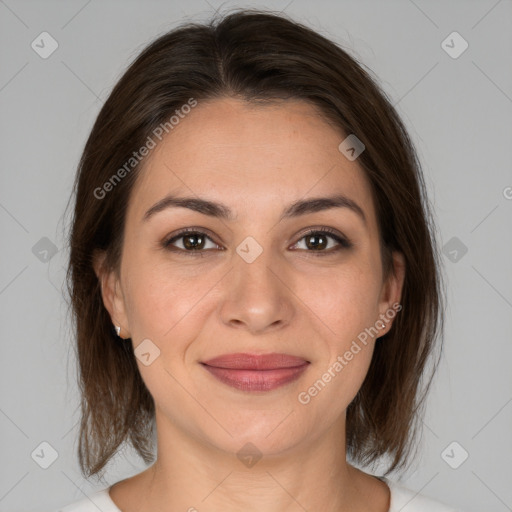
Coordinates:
(251,372)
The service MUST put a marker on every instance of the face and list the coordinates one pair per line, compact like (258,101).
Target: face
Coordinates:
(266,279)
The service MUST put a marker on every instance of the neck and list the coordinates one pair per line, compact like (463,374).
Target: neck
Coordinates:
(190,474)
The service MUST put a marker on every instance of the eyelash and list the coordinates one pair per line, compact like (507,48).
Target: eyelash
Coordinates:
(343,242)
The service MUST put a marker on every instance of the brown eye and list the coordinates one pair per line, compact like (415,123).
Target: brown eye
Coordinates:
(193,241)
(317,241)
(189,241)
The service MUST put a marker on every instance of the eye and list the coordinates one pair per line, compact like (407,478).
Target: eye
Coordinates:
(317,241)
(194,242)
(189,241)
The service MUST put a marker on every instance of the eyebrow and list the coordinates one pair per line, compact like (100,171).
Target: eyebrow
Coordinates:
(221,211)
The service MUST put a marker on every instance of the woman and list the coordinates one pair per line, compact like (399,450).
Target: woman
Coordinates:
(254,278)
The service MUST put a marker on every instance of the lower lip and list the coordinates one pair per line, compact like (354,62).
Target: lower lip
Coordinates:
(257,380)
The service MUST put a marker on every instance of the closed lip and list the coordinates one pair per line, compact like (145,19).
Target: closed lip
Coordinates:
(256,372)
(245,361)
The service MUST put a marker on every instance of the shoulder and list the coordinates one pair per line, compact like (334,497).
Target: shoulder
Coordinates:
(404,499)
(99,500)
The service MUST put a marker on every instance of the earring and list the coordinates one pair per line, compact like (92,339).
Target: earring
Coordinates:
(118,330)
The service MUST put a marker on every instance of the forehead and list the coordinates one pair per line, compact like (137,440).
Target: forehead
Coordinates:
(250,157)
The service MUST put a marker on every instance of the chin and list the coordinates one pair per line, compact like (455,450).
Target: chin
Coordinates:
(269,433)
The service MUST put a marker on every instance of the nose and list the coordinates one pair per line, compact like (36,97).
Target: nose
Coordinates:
(257,296)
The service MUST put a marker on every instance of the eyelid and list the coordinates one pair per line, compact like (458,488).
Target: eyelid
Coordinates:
(322,229)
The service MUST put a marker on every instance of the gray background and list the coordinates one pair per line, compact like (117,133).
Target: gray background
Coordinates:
(458,111)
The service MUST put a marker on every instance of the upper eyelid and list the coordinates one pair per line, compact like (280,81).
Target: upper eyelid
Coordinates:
(182,232)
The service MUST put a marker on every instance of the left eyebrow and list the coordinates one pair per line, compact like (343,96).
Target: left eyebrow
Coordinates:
(312,205)
(221,211)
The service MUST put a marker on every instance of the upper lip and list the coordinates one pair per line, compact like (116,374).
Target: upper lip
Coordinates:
(243,361)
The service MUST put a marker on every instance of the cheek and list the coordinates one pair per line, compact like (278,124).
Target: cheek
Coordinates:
(167,307)
(168,304)
(330,391)
(345,301)
(346,306)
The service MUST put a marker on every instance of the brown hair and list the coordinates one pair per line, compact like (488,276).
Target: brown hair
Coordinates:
(258,56)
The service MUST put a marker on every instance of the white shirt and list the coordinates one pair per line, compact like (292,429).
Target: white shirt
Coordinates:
(402,500)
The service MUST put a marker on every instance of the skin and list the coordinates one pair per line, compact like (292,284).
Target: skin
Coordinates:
(256,160)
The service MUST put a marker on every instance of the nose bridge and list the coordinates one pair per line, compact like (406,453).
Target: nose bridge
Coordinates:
(254,269)
(255,295)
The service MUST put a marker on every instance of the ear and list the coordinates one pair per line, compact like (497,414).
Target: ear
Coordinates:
(391,293)
(111,293)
